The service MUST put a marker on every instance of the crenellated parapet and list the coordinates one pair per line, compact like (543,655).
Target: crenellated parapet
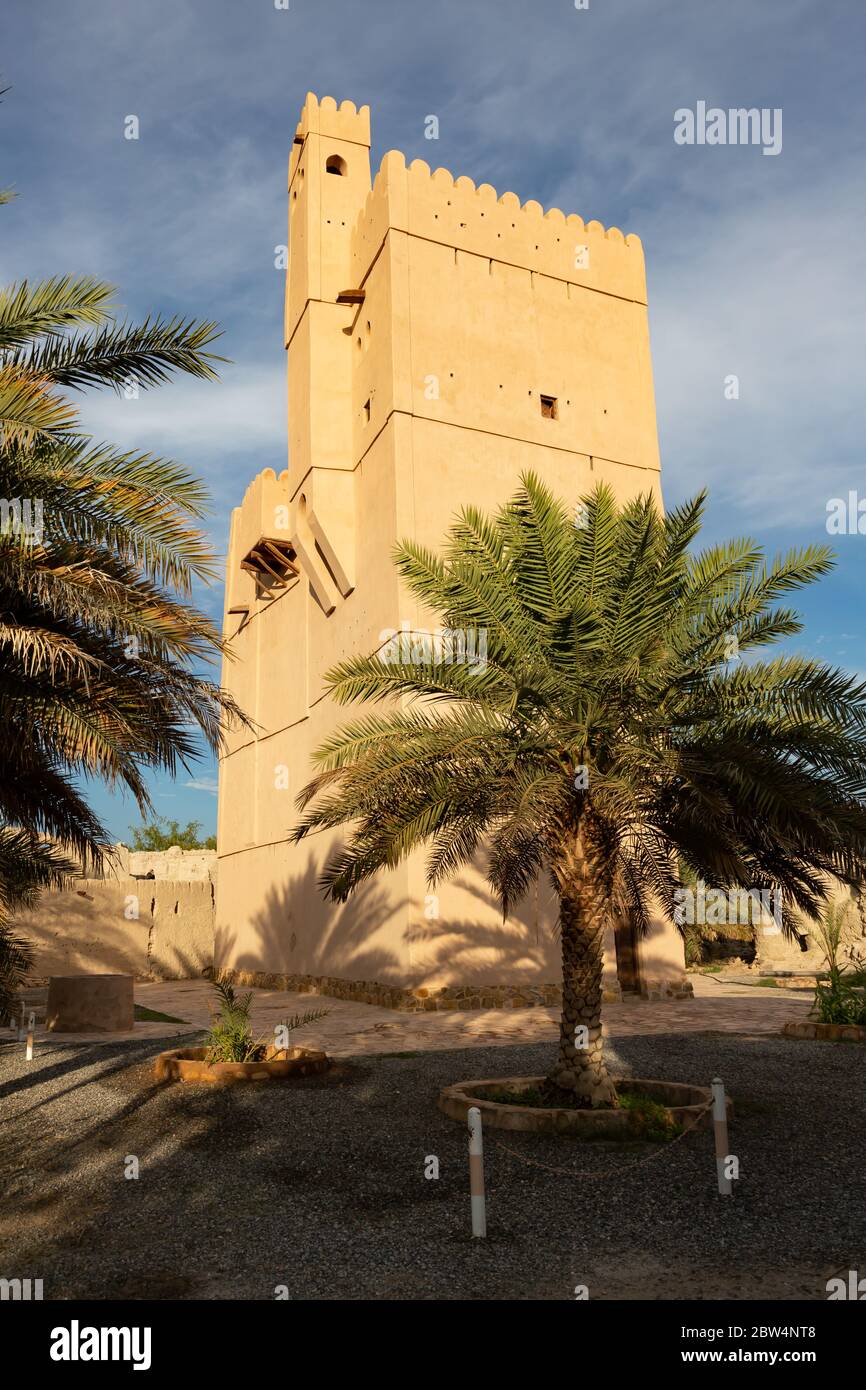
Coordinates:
(475,219)
(324,117)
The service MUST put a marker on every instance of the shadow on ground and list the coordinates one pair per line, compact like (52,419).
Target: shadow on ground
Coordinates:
(320,1185)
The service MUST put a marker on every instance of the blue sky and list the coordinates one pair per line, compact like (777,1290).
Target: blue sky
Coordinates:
(756,264)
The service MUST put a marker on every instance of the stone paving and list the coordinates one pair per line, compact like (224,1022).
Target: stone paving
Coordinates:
(352,1029)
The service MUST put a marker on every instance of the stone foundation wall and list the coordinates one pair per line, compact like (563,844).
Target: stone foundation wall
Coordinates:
(448,997)
(669,989)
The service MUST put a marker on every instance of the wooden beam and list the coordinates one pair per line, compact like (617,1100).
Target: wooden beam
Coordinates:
(273,557)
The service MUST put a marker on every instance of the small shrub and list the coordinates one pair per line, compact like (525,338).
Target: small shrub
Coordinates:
(839,997)
(230,1038)
(649,1120)
(16,958)
(161,834)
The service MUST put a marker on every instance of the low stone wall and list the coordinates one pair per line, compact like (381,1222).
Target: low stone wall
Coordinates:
(445,998)
(826,1032)
(776,953)
(179,865)
(149,928)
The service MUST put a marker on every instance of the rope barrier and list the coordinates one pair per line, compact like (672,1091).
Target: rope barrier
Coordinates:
(623,1168)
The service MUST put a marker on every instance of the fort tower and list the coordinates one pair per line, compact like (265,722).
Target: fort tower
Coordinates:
(441,339)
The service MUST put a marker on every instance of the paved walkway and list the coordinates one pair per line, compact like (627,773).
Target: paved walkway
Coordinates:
(351,1029)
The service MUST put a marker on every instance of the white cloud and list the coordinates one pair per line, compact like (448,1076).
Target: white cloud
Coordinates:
(203,784)
(772,290)
(242,413)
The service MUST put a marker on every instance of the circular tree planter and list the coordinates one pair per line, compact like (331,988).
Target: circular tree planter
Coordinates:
(826,1032)
(188,1064)
(684,1104)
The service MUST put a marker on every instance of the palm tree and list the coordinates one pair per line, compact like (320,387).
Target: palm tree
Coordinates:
(27,865)
(607,733)
(100,646)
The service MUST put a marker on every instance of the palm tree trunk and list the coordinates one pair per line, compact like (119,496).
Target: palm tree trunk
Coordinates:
(580,1069)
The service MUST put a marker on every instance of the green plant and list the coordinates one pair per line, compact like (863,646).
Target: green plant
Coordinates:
(100,646)
(606,731)
(693,944)
(97,636)
(27,865)
(694,933)
(648,1118)
(160,834)
(230,1037)
(839,997)
(699,936)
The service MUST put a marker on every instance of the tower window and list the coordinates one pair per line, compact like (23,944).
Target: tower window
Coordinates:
(549,408)
(335,164)
(366,410)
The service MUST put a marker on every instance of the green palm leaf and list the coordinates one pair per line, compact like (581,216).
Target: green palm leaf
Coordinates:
(615,650)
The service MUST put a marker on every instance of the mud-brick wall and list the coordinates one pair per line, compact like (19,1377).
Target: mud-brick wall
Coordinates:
(150,928)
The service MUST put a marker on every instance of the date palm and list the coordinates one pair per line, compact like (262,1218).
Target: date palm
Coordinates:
(609,733)
(101,649)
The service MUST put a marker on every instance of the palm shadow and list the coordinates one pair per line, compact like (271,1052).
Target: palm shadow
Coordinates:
(297,931)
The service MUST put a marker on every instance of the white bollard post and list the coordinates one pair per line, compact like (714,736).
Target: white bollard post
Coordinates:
(476,1173)
(720,1125)
(31,1024)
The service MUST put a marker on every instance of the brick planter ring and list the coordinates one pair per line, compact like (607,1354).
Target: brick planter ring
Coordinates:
(826,1032)
(683,1104)
(188,1064)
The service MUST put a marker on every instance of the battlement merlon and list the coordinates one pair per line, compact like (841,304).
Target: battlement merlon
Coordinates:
(456,212)
(344,122)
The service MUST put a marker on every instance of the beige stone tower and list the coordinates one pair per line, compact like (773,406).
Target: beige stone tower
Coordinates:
(440,341)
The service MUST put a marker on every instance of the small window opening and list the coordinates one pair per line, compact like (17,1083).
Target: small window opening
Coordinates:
(335,164)
(367,409)
(548,407)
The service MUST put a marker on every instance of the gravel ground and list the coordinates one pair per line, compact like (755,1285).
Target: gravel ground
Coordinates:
(319,1185)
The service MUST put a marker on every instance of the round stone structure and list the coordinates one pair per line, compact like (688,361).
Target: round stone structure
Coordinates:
(825,1032)
(90,1004)
(688,1105)
(189,1064)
